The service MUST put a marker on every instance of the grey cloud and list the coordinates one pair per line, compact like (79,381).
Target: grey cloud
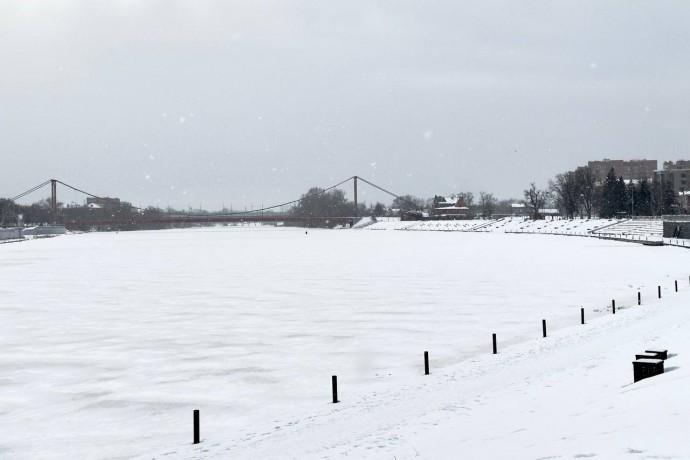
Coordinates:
(217,102)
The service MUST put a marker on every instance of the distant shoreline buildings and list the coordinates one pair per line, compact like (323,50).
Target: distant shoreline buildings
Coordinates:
(633,170)
(675,174)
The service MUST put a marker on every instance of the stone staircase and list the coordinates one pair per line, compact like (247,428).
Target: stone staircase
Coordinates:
(633,227)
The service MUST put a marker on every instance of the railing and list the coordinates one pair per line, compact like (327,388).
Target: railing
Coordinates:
(678,242)
(647,218)
(678,218)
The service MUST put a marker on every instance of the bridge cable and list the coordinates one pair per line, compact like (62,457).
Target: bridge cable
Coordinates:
(21,195)
(320,192)
(80,191)
(90,194)
(390,193)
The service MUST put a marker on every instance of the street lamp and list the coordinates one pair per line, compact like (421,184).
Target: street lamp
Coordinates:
(632,200)
(582,201)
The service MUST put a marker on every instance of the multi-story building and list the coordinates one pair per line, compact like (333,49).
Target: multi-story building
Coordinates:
(680,164)
(676,174)
(633,170)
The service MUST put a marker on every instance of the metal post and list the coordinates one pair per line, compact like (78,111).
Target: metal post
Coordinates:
(582,315)
(543,327)
(426,363)
(334,384)
(676,285)
(196,426)
(613,304)
(639,298)
(659,290)
(494,340)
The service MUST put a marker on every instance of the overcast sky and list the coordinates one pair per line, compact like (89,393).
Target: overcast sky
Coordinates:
(205,103)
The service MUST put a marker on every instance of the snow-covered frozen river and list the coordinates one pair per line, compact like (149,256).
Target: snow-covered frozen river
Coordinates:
(109,340)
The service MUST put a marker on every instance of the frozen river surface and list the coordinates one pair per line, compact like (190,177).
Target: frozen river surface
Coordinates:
(109,340)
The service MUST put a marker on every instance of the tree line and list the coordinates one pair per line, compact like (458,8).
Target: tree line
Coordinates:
(577,193)
(129,217)
(331,203)
(573,193)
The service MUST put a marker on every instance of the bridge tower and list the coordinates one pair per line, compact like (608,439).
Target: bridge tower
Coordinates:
(53,195)
(356,206)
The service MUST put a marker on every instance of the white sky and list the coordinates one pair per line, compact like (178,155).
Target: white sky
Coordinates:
(189,103)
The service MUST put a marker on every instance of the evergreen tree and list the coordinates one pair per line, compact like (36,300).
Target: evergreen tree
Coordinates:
(609,204)
(643,199)
(663,198)
(669,204)
(632,197)
(621,197)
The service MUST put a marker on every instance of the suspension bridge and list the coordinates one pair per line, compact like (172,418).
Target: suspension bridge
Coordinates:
(142,218)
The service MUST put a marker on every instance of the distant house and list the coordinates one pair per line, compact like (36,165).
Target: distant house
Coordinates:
(109,204)
(412,215)
(449,208)
(519,209)
(550,212)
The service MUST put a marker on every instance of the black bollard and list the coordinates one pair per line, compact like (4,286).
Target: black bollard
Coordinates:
(494,340)
(659,291)
(639,298)
(334,384)
(582,315)
(426,363)
(543,327)
(196,426)
(613,305)
(676,285)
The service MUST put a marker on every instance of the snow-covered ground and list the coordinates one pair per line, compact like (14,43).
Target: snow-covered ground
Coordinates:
(650,229)
(111,340)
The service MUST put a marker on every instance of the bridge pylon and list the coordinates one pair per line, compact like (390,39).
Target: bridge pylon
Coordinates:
(53,195)
(356,205)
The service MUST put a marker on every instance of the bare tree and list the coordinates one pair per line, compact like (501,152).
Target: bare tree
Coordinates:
(408,203)
(505,207)
(566,192)
(378,210)
(487,202)
(8,214)
(586,184)
(318,202)
(535,199)
(467,197)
